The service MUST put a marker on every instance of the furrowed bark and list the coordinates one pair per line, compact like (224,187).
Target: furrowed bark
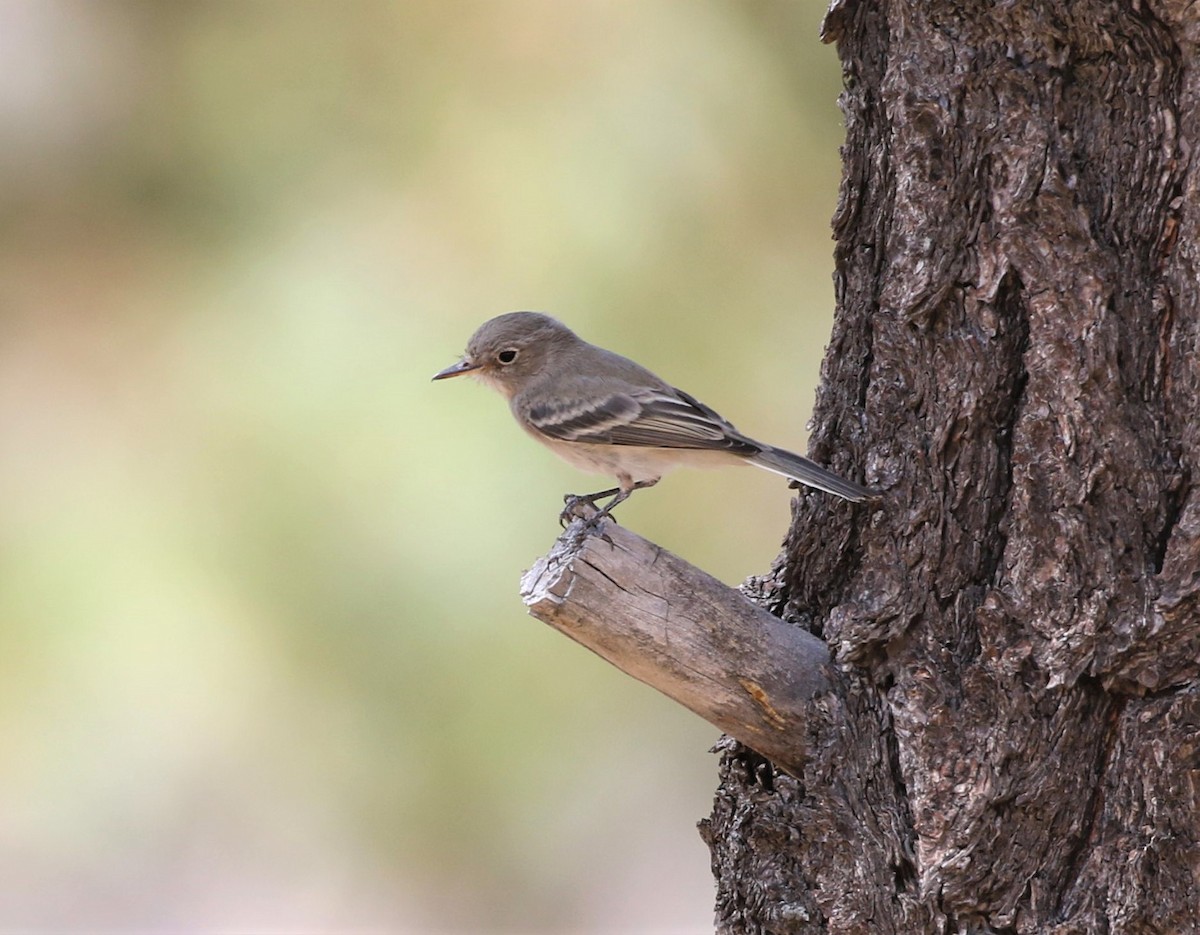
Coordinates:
(1016,362)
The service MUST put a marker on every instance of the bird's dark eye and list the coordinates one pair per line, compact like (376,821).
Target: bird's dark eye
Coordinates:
(507,356)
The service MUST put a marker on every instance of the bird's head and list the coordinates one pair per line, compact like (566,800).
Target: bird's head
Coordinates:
(509,350)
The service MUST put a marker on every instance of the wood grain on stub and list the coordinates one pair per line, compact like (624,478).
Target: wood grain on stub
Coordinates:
(676,628)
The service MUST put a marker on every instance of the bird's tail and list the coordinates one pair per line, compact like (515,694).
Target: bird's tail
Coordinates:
(800,469)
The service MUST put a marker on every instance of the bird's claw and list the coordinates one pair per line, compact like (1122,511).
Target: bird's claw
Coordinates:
(572,510)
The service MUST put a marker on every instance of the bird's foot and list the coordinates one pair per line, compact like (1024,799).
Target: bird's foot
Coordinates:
(619,495)
(575,502)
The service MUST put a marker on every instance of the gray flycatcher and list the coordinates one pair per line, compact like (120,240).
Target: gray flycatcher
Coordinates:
(605,414)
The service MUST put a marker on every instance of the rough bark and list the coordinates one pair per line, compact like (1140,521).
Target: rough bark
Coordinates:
(1016,361)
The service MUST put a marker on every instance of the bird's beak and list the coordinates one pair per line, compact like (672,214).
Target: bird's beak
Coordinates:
(456,370)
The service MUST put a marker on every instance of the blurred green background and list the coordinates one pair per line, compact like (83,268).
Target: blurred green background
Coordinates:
(263,663)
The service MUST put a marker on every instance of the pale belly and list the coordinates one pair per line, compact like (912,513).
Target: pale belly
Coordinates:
(632,465)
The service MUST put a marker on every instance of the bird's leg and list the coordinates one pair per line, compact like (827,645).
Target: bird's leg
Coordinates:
(590,499)
(623,495)
(618,494)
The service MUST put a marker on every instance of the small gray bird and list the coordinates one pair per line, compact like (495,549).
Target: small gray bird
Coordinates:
(605,414)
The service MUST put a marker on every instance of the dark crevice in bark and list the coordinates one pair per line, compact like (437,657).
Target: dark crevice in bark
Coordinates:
(1080,846)
(1011,307)
(904,871)
(756,770)
(1173,503)
(864,384)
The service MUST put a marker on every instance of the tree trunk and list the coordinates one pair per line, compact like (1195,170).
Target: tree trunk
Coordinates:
(1016,363)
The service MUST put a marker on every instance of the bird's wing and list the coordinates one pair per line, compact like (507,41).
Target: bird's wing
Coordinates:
(642,417)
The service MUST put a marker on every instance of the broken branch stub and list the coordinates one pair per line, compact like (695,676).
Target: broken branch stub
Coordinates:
(680,630)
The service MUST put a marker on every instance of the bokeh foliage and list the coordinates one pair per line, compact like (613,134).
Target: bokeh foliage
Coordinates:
(262,661)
